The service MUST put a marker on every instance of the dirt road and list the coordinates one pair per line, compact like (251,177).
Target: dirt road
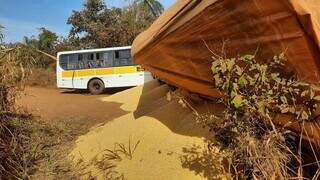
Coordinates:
(52,104)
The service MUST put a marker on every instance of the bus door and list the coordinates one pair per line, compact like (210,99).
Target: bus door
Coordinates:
(66,71)
(84,70)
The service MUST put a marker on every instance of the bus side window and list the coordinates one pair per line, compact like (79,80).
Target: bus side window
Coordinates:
(123,58)
(99,62)
(117,54)
(116,60)
(72,61)
(127,56)
(107,58)
(81,64)
(91,56)
(88,60)
(63,61)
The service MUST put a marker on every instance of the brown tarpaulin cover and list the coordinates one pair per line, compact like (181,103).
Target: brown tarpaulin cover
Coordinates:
(174,47)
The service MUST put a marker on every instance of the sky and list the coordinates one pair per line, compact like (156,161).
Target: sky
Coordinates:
(24,17)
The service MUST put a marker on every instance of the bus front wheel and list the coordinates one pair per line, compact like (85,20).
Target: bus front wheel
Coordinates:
(96,86)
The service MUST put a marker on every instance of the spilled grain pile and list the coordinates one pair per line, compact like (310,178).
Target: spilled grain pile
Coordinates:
(156,139)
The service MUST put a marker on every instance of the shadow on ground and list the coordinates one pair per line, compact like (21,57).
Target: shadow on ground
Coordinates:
(107,91)
(202,161)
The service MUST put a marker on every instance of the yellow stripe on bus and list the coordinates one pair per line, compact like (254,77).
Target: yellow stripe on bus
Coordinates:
(82,73)
(106,71)
(125,70)
(67,74)
(99,71)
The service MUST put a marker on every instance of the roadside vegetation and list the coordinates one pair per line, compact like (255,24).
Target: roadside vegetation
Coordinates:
(14,163)
(250,136)
(29,147)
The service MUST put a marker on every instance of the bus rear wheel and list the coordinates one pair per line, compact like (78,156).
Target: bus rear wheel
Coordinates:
(96,86)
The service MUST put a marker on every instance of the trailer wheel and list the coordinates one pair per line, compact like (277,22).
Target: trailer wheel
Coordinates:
(96,86)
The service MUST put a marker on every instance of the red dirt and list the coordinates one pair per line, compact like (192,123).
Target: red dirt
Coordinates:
(53,104)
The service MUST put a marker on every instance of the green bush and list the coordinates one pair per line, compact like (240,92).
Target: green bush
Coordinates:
(255,93)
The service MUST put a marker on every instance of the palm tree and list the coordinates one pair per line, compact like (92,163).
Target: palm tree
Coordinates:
(155,7)
(1,34)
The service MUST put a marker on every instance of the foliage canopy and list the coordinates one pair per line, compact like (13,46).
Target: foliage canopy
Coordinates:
(97,26)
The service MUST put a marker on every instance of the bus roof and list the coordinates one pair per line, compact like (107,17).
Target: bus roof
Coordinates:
(94,50)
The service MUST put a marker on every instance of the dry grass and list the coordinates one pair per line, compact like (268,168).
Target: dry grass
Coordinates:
(53,143)
(13,73)
(254,150)
(249,149)
(42,77)
(109,158)
(30,149)
(14,164)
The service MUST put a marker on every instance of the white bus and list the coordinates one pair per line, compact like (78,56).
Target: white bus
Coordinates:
(97,69)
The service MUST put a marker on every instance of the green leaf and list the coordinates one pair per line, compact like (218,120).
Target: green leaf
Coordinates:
(247,58)
(239,70)
(214,70)
(242,81)
(230,64)
(275,77)
(284,100)
(215,67)
(217,80)
(228,87)
(233,94)
(223,66)
(237,101)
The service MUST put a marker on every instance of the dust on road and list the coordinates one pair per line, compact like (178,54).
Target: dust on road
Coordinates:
(53,104)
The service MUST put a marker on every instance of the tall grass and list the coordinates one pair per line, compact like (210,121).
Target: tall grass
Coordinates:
(14,65)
